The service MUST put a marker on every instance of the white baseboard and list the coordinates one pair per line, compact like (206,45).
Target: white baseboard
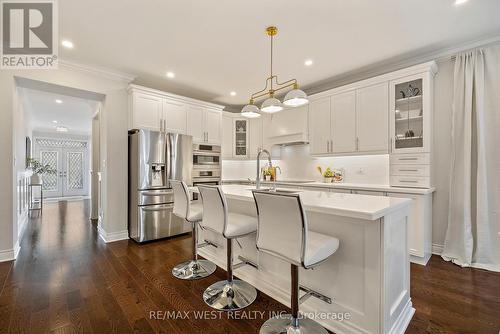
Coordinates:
(112,236)
(10,254)
(437,249)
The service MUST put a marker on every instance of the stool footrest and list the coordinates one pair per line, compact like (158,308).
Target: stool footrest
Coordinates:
(208,243)
(312,293)
(244,262)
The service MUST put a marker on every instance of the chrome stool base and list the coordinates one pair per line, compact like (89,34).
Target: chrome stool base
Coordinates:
(226,296)
(283,325)
(192,270)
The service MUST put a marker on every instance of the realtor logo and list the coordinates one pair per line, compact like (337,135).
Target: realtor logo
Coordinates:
(29,34)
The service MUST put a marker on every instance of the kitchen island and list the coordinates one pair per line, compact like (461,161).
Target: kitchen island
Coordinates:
(368,278)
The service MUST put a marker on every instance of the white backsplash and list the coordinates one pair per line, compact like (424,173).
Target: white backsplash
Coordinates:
(296,163)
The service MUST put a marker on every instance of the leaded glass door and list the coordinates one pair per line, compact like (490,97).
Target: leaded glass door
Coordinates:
(74,171)
(70,159)
(52,183)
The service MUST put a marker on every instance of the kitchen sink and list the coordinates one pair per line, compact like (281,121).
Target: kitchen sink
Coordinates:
(278,190)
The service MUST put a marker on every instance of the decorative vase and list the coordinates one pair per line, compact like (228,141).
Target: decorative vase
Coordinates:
(327,179)
(36,179)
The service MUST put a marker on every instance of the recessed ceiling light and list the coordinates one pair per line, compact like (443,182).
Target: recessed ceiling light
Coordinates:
(67,44)
(233,93)
(459,2)
(61,129)
(170,75)
(58,101)
(55,122)
(308,62)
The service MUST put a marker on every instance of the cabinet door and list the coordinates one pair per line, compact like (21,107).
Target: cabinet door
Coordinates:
(195,123)
(343,122)
(241,137)
(213,121)
(255,141)
(147,111)
(415,225)
(319,126)
(175,115)
(372,112)
(227,137)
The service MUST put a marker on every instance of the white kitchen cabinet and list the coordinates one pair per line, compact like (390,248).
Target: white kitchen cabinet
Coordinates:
(343,122)
(161,111)
(204,125)
(372,112)
(419,226)
(146,112)
(175,116)
(213,120)
(195,123)
(255,137)
(227,136)
(320,126)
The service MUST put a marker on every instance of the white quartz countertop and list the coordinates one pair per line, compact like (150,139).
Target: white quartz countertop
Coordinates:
(340,204)
(354,186)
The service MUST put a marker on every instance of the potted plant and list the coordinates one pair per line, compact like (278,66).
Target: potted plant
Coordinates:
(327,174)
(267,174)
(38,169)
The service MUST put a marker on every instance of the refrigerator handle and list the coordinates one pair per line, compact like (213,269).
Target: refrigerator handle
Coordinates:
(168,159)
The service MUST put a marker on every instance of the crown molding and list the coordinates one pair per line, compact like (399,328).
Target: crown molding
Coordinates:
(99,71)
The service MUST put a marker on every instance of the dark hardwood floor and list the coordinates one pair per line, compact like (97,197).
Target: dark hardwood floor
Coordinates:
(67,280)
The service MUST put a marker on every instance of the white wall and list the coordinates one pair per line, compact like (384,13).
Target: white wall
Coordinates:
(114,139)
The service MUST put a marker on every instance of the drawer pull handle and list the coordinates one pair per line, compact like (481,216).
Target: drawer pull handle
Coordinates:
(408,181)
(407,159)
(408,170)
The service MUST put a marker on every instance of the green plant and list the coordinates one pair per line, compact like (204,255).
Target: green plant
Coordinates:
(38,168)
(328,173)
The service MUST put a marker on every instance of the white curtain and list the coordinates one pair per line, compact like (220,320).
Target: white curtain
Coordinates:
(473,234)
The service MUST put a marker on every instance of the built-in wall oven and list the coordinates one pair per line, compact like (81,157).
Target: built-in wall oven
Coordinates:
(206,165)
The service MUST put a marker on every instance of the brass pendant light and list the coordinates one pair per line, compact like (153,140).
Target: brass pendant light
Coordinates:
(293,98)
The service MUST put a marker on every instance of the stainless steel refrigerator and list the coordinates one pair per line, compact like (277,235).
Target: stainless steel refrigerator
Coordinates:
(154,158)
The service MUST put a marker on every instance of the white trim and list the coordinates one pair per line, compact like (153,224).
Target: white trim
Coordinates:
(10,254)
(437,249)
(99,71)
(174,97)
(112,236)
(402,322)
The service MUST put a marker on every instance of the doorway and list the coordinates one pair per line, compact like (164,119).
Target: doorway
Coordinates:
(70,159)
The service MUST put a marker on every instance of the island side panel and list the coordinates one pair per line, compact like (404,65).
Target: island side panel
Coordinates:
(397,307)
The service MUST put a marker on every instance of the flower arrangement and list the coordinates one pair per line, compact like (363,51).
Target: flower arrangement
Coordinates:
(328,174)
(38,168)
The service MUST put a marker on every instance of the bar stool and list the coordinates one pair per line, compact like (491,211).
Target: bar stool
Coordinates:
(230,294)
(191,213)
(282,232)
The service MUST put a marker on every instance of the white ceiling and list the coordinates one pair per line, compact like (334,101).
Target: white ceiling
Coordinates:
(73,113)
(218,46)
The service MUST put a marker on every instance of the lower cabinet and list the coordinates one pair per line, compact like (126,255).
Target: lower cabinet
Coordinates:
(419,226)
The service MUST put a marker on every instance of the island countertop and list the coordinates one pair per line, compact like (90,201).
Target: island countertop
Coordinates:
(347,205)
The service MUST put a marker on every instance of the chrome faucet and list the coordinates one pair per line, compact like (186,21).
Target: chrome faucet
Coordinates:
(257,180)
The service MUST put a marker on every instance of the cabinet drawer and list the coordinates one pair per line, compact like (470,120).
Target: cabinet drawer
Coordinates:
(412,159)
(411,170)
(410,181)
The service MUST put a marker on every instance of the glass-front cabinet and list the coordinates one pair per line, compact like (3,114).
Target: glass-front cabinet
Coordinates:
(240,138)
(411,113)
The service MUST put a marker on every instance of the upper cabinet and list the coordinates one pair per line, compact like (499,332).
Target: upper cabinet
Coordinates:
(411,114)
(350,122)
(372,119)
(287,126)
(160,111)
(146,111)
(241,137)
(343,122)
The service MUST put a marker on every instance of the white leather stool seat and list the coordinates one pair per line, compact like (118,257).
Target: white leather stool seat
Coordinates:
(195,212)
(239,225)
(319,248)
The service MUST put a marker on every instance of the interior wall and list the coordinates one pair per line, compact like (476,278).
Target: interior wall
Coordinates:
(113,135)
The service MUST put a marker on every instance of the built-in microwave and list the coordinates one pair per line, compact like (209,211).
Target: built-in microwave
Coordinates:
(206,155)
